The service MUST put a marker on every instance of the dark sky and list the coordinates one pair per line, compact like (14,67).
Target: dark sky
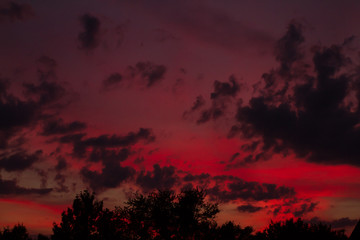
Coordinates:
(256,101)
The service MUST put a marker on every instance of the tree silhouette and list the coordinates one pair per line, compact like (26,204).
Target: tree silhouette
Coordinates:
(18,232)
(299,230)
(85,220)
(231,231)
(42,237)
(165,215)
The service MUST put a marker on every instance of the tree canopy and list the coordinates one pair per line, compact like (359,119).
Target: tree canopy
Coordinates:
(163,215)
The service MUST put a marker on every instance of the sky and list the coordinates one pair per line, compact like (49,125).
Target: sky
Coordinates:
(255,101)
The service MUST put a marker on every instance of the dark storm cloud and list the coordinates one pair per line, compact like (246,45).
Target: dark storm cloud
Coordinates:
(13,11)
(248,208)
(149,72)
(89,37)
(240,189)
(337,223)
(220,98)
(112,81)
(19,161)
(159,178)
(112,174)
(316,116)
(57,126)
(10,187)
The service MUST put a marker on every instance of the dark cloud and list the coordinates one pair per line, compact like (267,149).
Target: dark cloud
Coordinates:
(60,180)
(80,144)
(45,92)
(57,126)
(120,141)
(10,187)
(199,102)
(150,73)
(240,189)
(112,174)
(60,177)
(61,165)
(220,98)
(234,156)
(230,88)
(112,81)
(248,208)
(19,161)
(293,207)
(19,112)
(200,177)
(159,178)
(237,160)
(110,151)
(337,223)
(13,11)
(16,114)
(304,209)
(43,174)
(89,37)
(287,49)
(316,116)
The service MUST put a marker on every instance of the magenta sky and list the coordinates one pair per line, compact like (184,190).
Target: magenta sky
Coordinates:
(257,102)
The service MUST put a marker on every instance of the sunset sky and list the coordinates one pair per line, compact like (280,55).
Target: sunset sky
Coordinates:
(255,101)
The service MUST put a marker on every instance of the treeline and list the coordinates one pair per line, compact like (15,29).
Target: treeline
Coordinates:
(163,215)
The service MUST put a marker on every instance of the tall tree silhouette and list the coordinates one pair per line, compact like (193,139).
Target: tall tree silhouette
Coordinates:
(86,220)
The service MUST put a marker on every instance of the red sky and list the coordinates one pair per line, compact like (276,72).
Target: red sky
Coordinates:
(256,102)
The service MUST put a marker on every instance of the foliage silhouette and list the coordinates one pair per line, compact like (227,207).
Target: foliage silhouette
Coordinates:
(87,220)
(164,215)
(18,232)
(42,237)
(299,230)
